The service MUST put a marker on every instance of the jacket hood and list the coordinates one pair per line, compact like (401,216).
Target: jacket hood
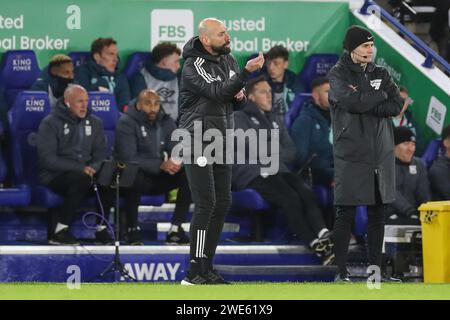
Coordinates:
(347,61)
(159,73)
(194,48)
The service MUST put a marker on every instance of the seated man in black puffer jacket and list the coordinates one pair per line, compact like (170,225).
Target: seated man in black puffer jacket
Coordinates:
(281,188)
(412,186)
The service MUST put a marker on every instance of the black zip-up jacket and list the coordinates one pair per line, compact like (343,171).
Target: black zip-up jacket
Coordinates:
(139,139)
(413,188)
(66,143)
(207,88)
(362,131)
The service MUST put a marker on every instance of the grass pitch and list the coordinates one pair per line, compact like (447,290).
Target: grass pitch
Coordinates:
(236,291)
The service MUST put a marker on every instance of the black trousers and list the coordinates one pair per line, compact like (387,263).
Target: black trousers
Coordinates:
(211,192)
(345,215)
(74,187)
(146,184)
(288,192)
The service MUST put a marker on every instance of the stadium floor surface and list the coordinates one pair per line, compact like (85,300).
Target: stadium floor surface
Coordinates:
(236,291)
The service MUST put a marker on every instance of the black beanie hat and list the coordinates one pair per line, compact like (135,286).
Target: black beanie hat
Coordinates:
(356,36)
(403,134)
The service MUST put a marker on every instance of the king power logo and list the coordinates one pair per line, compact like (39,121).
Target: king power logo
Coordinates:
(171,25)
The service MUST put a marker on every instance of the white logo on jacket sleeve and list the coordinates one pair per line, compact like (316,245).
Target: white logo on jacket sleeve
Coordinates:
(232,73)
(376,83)
(255,121)
(66,129)
(144,132)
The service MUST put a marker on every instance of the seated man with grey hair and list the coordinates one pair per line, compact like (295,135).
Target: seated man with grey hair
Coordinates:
(71,147)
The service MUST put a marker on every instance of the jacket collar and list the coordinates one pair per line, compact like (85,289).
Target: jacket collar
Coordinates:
(355,67)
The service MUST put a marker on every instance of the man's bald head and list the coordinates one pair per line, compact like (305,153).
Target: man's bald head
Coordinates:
(73,89)
(214,37)
(76,99)
(206,25)
(149,102)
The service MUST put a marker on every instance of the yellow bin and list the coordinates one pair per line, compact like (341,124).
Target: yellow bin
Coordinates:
(435,219)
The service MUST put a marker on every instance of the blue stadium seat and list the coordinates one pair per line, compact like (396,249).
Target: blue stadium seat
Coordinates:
(432,152)
(360,221)
(135,62)
(79,58)
(295,109)
(248,199)
(24,117)
(324,195)
(317,65)
(103,105)
(18,72)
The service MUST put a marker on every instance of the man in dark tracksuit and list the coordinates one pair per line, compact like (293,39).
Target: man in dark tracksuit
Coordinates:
(101,72)
(55,78)
(143,134)
(282,188)
(71,146)
(311,134)
(363,97)
(440,170)
(210,82)
(411,179)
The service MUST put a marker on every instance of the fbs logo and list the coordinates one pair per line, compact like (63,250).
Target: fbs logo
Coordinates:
(171,25)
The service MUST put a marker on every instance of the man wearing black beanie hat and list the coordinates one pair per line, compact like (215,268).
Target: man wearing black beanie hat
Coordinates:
(412,185)
(363,97)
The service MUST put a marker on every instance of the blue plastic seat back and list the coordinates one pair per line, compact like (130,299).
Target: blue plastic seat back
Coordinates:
(317,65)
(103,105)
(295,109)
(24,118)
(432,152)
(135,62)
(19,69)
(79,58)
(361,221)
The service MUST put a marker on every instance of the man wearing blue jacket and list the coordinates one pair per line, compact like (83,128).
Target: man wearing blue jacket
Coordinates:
(71,147)
(100,73)
(143,134)
(55,78)
(311,133)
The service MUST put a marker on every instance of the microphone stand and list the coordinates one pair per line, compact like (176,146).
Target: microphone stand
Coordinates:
(116,266)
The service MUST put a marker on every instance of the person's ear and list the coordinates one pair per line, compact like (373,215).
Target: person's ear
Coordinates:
(68,105)
(96,57)
(446,143)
